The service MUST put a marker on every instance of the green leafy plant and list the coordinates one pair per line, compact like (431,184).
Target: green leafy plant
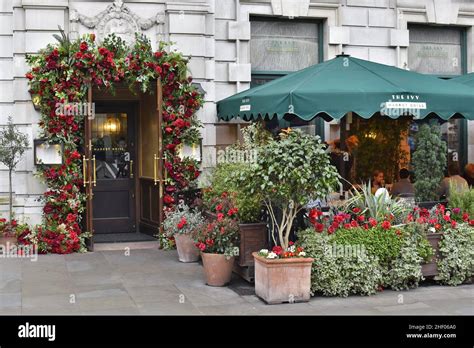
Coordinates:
(13,145)
(405,270)
(372,134)
(463,200)
(378,207)
(385,244)
(339,274)
(429,162)
(182,220)
(456,262)
(288,174)
(224,179)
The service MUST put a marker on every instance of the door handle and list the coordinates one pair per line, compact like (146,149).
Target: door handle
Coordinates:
(155,177)
(131,169)
(84,170)
(94,181)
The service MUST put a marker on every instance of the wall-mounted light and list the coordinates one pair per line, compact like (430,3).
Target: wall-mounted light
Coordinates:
(193,151)
(46,153)
(36,99)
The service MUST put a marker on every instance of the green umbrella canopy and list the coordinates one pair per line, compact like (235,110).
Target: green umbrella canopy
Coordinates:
(346,84)
(467,79)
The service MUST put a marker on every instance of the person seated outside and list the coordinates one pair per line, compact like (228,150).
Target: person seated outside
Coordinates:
(454,180)
(469,174)
(403,187)
(377,181)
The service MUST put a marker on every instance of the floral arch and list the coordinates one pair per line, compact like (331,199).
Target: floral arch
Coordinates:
(62,73)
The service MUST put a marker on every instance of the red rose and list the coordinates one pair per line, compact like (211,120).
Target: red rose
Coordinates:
(71,218)
(13,223)
(220,216)
(209,242)
(372,222)
(354,223)
(446,218)
(471,223)
(277,249)
(361,218)
(29,76)
(168,199)
(158,54)
(453,223)
(331,229)
(356,210)
(169,130)
(83,46)
(465,217)
(219,207)
(386,225)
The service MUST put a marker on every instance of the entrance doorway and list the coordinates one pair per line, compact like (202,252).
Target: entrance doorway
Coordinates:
(123,170)
(113,147)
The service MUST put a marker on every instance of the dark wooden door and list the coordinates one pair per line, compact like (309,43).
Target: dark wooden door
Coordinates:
(114,163)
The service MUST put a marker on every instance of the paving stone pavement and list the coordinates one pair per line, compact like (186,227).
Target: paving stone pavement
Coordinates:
(153,282)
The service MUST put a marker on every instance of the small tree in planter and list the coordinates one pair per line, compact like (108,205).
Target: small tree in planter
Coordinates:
(429,162)
(182,223)
(13,145)
(289,173)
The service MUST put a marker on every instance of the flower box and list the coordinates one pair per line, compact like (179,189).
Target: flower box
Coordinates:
(430,269)
(282,280)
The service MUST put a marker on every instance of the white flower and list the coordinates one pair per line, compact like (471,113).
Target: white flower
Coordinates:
(291,249)
(272,255)
(302,253)
(62,228)
(263,251)
(432,229)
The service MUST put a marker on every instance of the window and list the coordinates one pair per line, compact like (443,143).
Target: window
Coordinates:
(435,50)
(441,51)
(281,46)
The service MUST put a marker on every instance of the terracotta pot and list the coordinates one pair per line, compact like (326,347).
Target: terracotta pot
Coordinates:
(217,268)
(187,251)
(430,269)
(283,280)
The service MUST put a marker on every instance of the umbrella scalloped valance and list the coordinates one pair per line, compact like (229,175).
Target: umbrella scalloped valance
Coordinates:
(346,84)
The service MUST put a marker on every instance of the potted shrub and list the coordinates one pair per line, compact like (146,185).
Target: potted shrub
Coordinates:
(289,173)
(181,224)
(233,162)
(247,210)
(218,243)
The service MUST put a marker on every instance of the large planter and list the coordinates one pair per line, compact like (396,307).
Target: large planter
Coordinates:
(282,280)
(187,250)
(253,237)
(430,269)
(217,268)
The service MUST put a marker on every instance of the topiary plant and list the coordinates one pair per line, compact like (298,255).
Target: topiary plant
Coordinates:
(429,162)
(288,174)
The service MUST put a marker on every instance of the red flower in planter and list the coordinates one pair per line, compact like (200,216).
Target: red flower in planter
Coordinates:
(372,222)
(210,242)
(386,225)
(465,217)
(83,47)
(446,218)
(361,218)
(277,249)
(437,226)
(182,223)
(168,199)
(220,216)
(471,223)
(354,223)
(356,210)
(453,223)
(319,227)
(219,207)
(331,229)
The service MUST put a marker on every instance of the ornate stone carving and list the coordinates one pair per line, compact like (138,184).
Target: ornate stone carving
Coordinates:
(116,18)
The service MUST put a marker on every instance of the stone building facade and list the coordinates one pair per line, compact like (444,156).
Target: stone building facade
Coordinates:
(233,44)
